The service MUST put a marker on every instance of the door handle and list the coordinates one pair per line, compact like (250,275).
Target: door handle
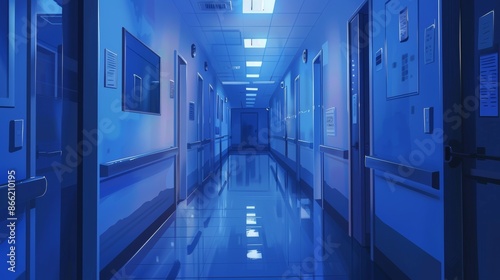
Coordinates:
(48,154)
(450,156)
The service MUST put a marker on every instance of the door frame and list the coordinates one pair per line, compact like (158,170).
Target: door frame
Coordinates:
(318,133)
(455,44)
(296,88)
(180,137)
(364,128)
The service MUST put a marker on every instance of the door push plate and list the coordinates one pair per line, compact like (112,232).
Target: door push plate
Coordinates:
(428,120)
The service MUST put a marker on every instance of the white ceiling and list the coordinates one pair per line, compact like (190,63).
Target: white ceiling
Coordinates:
(222,32)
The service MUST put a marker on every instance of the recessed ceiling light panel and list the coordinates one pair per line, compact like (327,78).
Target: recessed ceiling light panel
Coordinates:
(255,43)
(258,6)
(254,63)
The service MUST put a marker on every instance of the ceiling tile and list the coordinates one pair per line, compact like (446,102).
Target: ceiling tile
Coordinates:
(231,20)
(276,42)
(271,58)
(232,37)
(306,19)
(273,51)
(300,32)
(253,58)
(208,19)
(184,6)
(238,59)
(289,51)
(289,6)
(191,19)
(294,43)
(259,52)
(219,50)
(222,58)
(256,19)
(279,32)
(236,50)
(316,6)
(214,37)
(254,32)
(283,19)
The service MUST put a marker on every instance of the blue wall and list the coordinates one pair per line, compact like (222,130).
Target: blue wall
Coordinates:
(329,35)
(122,134)
(403,208)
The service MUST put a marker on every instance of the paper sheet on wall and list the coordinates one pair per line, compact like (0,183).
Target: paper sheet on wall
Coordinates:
(330,122)
(111,69)
(488,85)
(486,31)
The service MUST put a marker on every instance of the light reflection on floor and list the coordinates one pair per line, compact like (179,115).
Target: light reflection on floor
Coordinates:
(260,225)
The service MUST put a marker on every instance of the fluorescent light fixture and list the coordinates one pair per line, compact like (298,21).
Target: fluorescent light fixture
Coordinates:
(258,6)
(251,94)
(234,83)
(250,214)
(252,89)
(263,82)
(253,75)
(250,207)
(250,98)
(250,105)
(252,233)
(251,221)
(254,254)
(254,63)
(255,43)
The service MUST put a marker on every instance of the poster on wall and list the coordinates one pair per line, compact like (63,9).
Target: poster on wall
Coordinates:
(330,122)
(488,85)
(402,57)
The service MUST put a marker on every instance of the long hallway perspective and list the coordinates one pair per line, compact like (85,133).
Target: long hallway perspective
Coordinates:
(249,139)
(259,223)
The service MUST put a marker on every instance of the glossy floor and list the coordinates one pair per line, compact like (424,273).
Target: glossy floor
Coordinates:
(252,221)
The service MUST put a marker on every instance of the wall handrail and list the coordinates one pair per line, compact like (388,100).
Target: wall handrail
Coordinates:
(485,176)
(336,152)
(221,137)
(115,167)
(198,143)
(25,190)
(305,143)
(291,139)
(278,137)
(424,177)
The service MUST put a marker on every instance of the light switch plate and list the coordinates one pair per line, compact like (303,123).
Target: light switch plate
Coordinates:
(16,134)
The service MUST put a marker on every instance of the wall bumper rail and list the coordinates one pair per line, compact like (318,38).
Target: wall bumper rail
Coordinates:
(424,177)
(305,143)
(336,152)
(127,164)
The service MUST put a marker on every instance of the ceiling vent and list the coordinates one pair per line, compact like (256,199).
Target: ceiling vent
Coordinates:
(216,6)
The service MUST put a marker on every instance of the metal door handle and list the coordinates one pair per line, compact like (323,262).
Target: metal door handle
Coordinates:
(48,154)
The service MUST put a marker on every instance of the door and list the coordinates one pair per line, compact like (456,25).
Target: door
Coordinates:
(56,88)
(49,115)
(182,119)
(194,128)
(359,122)
(479,154)
(295,115)
(208,132)
(317,130)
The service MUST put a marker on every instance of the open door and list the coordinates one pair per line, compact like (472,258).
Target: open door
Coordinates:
(359,125)
(478,156)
